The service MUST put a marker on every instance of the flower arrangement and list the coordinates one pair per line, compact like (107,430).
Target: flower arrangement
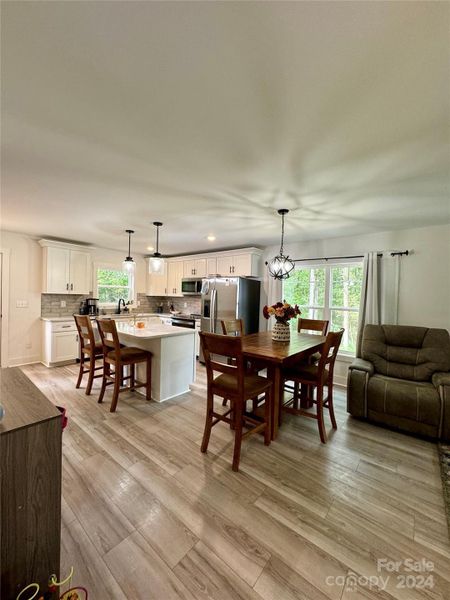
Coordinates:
(282,311)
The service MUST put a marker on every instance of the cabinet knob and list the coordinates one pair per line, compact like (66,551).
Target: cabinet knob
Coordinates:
(71,286)
(67,286)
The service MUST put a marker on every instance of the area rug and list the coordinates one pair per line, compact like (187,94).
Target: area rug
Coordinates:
(444,458)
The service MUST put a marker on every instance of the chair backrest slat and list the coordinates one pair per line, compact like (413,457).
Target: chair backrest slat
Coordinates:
(329,351)
(232,327)
(108,334)
(226,346)
(313,325)
(85,331)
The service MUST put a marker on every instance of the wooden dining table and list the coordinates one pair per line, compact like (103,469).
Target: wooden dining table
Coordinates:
(277,355)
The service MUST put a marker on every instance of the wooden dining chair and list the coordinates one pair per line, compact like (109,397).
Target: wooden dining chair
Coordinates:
(90,352)
(118,357)
(307,326)
(236,327)
(317,377)
(233,327)
(238,385)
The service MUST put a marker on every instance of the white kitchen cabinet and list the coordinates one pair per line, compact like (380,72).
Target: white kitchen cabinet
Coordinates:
(211,266)
(60,342)
(242,265)
(156,283)
(195,268)
(175,272)
(66,270)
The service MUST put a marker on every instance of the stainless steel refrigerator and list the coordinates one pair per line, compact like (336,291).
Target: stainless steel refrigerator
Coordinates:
(229,298)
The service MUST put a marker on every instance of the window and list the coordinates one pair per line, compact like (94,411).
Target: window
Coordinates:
(113,284)
(329,292)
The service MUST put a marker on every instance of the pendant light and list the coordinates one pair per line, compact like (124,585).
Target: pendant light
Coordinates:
(156,261)
(128,264)
(280,266)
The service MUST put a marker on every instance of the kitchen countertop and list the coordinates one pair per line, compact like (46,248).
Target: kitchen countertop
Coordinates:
(111,315)
(153,332)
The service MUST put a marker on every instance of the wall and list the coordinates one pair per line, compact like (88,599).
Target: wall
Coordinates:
(424,276)
(424,286)
(25,283)
(424,297)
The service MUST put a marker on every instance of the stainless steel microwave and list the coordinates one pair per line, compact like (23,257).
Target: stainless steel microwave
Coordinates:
(191,286)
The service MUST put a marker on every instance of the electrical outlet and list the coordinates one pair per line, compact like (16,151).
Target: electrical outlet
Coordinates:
(138,302)
(185,305)
(63,304)
(28,346)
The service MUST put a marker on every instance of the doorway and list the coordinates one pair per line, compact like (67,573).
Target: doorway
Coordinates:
(4,311)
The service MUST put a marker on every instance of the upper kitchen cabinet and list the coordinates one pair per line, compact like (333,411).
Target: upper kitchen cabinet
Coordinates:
(211,266)
(242,264)
(66,268)
(195,268)
(156,283)
(175,273)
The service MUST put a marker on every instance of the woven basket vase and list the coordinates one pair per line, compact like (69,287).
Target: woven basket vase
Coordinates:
(281,332)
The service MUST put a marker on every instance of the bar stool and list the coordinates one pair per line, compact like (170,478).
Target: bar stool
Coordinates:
(305,326)
(236,384)
(119,357)
(90,351)
(234,328)
(317,376)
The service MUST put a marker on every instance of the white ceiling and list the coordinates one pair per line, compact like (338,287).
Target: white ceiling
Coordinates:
(209,116)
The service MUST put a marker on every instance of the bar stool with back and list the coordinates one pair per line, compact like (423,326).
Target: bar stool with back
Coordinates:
(90,351)
(305,326)
(237,385)
(317,376)
(118,357)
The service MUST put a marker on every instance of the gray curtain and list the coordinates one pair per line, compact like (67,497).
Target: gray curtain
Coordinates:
(274,291)
(379,293)
(369,308)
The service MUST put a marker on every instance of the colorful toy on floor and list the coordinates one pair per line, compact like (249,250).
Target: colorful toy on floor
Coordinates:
(73,593)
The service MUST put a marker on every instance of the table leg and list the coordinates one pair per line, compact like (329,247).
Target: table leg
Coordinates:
(274,373)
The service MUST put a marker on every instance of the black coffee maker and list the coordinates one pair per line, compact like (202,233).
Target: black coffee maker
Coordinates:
(92,306)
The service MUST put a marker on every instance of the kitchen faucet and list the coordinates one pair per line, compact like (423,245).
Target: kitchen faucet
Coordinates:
(118,305)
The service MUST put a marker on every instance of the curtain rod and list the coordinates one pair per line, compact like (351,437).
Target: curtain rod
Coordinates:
(402,253)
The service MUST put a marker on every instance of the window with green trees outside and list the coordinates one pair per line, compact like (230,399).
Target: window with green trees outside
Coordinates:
(330,292)
(112,285)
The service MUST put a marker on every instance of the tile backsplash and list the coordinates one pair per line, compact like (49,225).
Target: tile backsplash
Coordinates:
(51,304)
(193,303)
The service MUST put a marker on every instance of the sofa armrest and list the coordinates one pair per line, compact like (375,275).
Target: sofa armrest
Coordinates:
(439,379)
(362,365)
(359,373)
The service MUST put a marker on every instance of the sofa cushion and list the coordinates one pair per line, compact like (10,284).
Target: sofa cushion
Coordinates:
(416,401)
(405,352)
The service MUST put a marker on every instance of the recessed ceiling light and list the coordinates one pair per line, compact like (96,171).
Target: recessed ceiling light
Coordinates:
(211,238)
(150,248)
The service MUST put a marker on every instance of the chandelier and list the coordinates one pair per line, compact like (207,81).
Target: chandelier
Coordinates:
(280,266)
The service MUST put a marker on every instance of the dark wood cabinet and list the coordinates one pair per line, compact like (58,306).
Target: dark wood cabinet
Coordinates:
(30,485)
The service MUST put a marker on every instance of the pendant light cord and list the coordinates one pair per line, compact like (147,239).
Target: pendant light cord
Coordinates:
(282,235)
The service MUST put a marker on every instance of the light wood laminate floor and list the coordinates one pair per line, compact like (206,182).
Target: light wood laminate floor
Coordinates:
(147,516)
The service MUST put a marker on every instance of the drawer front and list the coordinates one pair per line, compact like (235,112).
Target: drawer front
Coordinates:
(64,326)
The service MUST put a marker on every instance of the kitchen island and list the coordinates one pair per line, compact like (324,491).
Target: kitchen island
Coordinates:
(173,362)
